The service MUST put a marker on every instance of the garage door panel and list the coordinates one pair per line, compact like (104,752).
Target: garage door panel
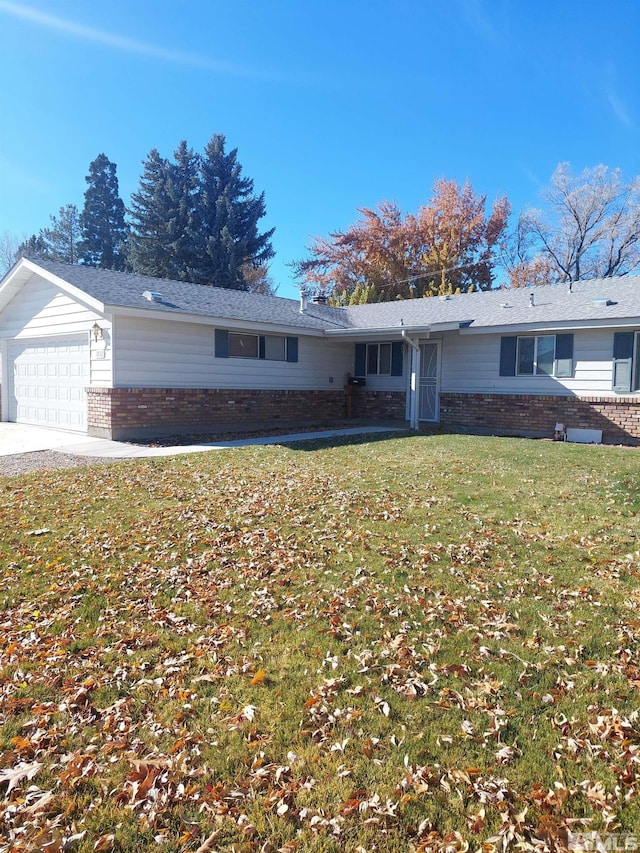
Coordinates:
(47,382)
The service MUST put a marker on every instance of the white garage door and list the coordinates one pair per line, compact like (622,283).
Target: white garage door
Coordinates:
(47,381)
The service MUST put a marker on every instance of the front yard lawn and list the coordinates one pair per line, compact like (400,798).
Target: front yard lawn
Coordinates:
(412,644)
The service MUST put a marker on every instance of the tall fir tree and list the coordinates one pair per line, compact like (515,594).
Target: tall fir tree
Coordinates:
(162,240)
(195,218)
(102,222)
(183,192)
(149,251)
(227,220)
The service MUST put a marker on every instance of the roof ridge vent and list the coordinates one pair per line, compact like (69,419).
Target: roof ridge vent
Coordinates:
(152,296)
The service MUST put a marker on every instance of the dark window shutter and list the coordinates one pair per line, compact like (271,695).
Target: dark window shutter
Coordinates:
(508,345)
(564,356)
(292,349)
(261,347)
(396,358)
(222,343)
(361,360)
(622,362)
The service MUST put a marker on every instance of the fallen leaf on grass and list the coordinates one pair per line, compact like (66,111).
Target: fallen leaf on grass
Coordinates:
(15,775)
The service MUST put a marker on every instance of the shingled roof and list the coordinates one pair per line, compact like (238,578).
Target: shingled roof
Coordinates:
(611,301)
(125,290)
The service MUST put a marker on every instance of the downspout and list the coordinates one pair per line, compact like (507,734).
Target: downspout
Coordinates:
(413,379)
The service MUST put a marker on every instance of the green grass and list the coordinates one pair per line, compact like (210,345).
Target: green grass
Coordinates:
(394,645)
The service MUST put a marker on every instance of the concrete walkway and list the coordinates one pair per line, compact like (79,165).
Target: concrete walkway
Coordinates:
(21,438)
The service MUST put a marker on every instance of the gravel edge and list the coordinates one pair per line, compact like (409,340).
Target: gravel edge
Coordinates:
(46,460)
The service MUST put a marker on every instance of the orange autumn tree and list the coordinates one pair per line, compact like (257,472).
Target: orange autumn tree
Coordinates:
(448,246)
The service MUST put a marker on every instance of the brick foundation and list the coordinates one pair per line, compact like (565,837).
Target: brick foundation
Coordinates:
(134,413)
(533,415)
(377,405)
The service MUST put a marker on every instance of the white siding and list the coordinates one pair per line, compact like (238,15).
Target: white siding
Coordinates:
(471,364)
(166,354)
(41,310)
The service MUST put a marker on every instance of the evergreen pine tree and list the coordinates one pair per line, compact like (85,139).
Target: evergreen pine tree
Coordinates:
(104,232)
(227,220)
(182,193)
(149,248)
(33,247)
(162,241)
(61,241)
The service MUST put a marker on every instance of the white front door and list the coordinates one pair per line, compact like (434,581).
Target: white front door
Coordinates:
(429,403)
(47,381)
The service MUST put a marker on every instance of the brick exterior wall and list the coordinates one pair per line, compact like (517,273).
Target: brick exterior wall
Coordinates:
(520,414)
(130,413)
(377,405)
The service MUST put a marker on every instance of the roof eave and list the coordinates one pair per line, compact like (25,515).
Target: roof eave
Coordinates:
(203,319)
(393,331)
(21,273)
(552,326)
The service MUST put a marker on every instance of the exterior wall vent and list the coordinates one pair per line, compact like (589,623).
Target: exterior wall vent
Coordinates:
(152,296)
(601,300)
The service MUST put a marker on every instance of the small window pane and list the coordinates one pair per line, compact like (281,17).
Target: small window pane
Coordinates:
(546,346)
(372,358)
(243,346)
(525,355)
(274,348)
(385,359)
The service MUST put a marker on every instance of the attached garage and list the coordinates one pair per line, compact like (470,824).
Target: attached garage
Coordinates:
(47,379)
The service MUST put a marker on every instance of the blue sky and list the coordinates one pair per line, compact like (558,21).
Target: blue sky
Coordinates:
(332,104)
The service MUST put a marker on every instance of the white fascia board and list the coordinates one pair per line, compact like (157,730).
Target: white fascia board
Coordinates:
(255,326)
(447,327)
(15,280)
(384,332)
(558,326)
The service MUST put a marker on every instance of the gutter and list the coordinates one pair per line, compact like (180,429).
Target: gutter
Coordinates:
(393,331)
(381,331)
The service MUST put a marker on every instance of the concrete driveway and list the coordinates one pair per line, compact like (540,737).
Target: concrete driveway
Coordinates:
(23,438)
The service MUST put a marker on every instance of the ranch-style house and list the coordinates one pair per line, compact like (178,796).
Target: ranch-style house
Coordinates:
(125,356)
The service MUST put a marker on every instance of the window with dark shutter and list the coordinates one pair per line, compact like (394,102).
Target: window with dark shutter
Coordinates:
(564,356)
(396,358)
(508,348)
(292,349)
(622,374)
(222,343)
